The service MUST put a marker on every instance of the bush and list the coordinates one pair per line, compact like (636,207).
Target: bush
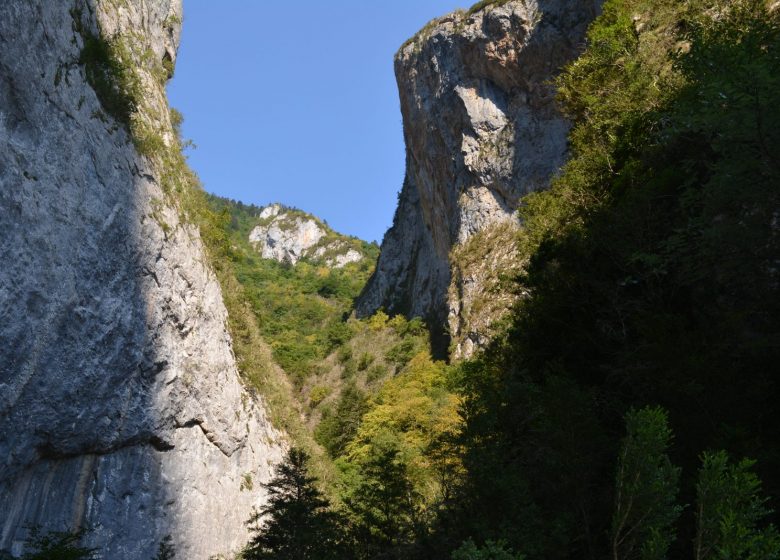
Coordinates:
(492,550)
(401,353)
(318,394)
(337,334)
(376,372)
(339,426)
(365,360)
(349,370)
(110,71)
(344,354)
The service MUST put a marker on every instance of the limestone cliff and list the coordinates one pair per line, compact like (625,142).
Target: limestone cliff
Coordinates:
(288,235)
(121,407)
(481,129)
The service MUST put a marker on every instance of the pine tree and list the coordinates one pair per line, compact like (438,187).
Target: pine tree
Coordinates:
(382,503)
(56,545)
(297,523)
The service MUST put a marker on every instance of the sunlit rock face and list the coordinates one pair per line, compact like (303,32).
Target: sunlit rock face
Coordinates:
(121,407)
(285,237)
(289,235)
(482,129)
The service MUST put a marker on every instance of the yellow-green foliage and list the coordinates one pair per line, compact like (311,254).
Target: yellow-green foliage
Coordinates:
(246,482)
(378,321)
(484,281)
(108,65)
(416,413)
(379,348)
(625,74)
(318,394)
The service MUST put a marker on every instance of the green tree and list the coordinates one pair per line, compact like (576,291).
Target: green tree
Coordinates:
(297,523)
(381,501)
(648,275)
(56,545)
(729,512)
(646,489)
(417,414)
(339,426)
(493,550)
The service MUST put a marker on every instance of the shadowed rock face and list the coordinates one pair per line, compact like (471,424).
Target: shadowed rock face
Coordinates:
(481,130)
(121,408)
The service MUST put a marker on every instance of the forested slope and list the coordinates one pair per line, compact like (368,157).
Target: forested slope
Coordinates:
(653,280)
(638,367)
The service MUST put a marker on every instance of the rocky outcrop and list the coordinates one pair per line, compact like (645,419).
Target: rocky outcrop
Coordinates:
(287,235)
(121,407)
(481,129)
(482,288)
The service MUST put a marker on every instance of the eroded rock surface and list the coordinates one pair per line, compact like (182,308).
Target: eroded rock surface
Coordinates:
(121,407)
(289,235)
(481,130)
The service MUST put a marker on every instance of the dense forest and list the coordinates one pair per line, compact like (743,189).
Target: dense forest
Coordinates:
(629,408)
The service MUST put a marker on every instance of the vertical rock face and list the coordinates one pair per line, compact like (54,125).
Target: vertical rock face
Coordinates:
(481,130)
(121,408)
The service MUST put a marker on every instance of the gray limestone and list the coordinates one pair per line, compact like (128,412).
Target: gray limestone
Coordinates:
(121,407)
(285,238)
(481,129)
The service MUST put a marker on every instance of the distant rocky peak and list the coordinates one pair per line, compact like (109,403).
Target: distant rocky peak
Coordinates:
(288,235)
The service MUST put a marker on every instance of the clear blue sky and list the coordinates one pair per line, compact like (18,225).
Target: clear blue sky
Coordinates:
(296,102)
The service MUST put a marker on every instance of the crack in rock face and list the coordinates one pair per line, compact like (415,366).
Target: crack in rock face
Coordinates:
(481,129)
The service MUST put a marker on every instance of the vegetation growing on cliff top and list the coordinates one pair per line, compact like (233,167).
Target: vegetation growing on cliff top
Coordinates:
(484,4)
